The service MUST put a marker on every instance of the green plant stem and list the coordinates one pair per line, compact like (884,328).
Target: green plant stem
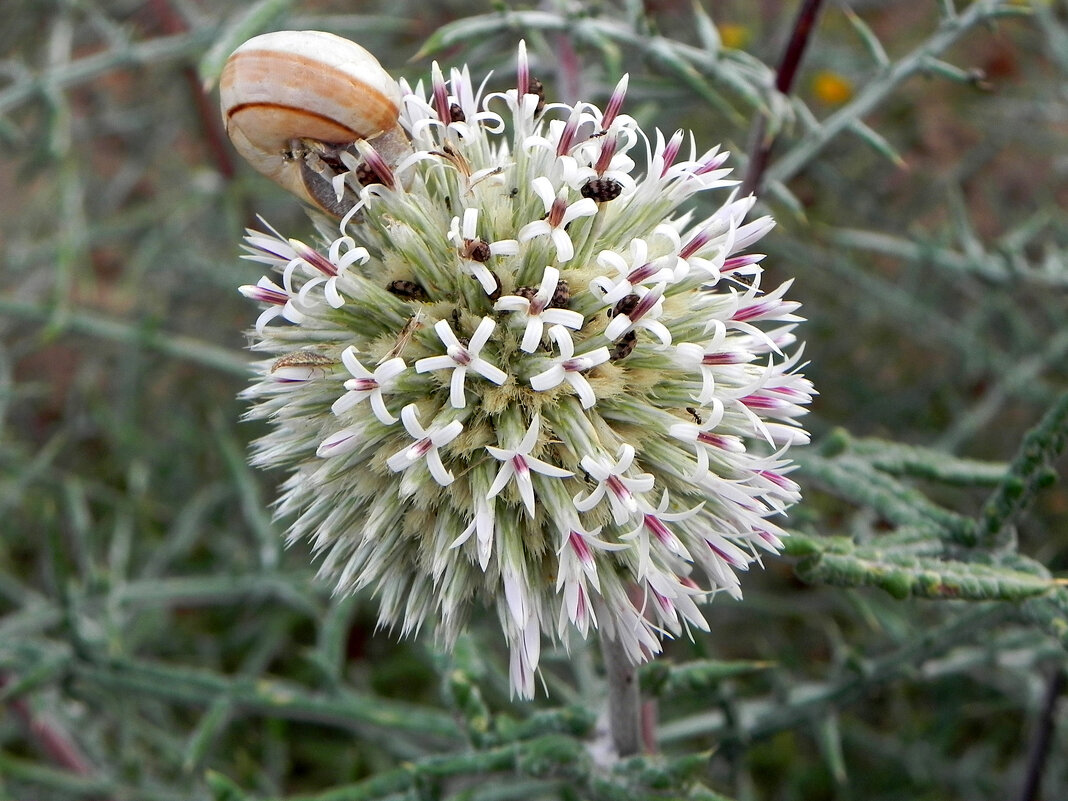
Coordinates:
(1030,470)
(1022,375)
(902,505)
(550,759)
(757,719)
(734,69)
(282,699)
(912,461)
(155,52)
(624,697)
(988,266)
(50,737)
(71,785)
(873,95)
(131,333)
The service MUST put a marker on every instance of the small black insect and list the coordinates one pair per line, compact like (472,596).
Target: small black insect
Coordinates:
(365,175)
(536,87)
(624,346)
(476,250)
(408,290)
(626,305)
(496,295)
(696,417)
(561,297)
(601,189)
(456,114)
(527,292)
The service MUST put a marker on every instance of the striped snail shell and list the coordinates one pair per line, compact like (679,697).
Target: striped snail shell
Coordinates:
(291,100)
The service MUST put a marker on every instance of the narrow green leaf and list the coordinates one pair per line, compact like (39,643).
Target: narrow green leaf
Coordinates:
(856,480)
(877,142)
(140,333)
(662,54)
(1024,233)
(1028,473)
(701,675)
(207,730)
(223,788)
(948,9)
(808,121)
(273,697)
(951,72)
(969,240)
(829,736)
(1050,612)
(928,463)
(576,721)
(465,697)
(611,53)
(253,20)
(782,195)
(465,30)
(252,506)
(798,544)
(707,32)
(41,671)
(867,36)
(335,625)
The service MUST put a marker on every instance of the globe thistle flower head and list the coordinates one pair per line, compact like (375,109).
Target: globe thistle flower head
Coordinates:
(518,374)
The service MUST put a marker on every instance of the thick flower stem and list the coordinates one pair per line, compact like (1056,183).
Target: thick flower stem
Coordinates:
(624,700)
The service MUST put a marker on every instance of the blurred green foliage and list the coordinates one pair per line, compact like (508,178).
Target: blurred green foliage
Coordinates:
(158,641)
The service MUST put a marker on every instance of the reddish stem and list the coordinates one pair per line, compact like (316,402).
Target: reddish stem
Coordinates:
(207,113)
(760,144)
(56,744)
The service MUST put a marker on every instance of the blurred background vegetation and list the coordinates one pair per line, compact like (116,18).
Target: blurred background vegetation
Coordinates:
(157,641)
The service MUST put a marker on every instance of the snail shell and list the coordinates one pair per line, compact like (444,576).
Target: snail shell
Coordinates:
(292,99)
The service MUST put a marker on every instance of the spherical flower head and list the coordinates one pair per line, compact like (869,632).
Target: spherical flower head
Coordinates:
(519,375)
